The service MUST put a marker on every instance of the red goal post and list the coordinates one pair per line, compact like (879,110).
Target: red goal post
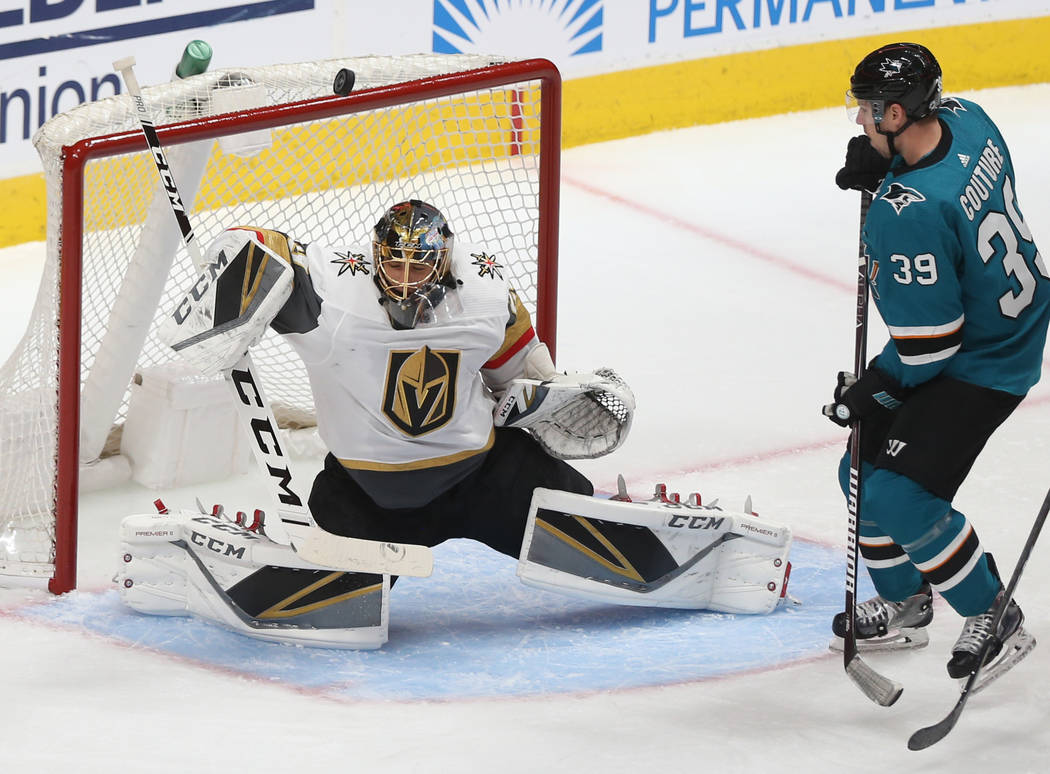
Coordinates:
(269,146)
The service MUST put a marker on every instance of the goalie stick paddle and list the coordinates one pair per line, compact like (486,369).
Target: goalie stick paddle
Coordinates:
(876,687)
(930,735)
(307,539)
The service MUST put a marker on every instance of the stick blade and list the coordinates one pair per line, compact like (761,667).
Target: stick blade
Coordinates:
(876,687)
(926,737)
(357,555)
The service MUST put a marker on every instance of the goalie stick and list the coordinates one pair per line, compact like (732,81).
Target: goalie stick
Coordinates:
(930,735)
(306,538)
(875,686)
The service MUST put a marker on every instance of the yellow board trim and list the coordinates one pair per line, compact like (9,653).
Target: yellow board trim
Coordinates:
(790,79)
(23,200)
(679,94)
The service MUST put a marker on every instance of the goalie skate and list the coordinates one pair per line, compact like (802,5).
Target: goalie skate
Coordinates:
(886,625)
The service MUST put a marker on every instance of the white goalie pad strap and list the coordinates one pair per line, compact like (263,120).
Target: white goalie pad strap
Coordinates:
(187,563)
(660,554)
(573,416)
(237,295)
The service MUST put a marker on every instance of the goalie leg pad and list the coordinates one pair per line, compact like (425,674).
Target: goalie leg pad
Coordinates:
(660,554)
(192,564)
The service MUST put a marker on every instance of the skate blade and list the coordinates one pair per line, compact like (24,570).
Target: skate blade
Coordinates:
(1015,649)
(904,639)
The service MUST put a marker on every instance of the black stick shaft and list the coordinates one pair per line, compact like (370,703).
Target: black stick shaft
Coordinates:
(875,686)
(849,650)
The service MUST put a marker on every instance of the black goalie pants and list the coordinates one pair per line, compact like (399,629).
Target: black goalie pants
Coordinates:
(490,505)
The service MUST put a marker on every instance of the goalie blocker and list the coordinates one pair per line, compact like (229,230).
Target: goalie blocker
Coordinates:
(247,278)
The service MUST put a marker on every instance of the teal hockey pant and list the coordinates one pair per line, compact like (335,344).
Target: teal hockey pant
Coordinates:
(908,535)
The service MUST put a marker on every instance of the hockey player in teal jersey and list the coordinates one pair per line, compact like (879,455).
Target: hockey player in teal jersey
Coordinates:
(958,280)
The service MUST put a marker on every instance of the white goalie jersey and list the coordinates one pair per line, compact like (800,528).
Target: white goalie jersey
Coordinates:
(407,412)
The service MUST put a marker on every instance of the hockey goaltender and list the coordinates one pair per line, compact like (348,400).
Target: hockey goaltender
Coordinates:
(444,417)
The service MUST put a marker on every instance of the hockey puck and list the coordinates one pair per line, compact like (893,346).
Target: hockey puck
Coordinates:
(344,82)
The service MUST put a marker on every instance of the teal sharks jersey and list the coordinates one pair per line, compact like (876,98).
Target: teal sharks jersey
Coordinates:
(953,267)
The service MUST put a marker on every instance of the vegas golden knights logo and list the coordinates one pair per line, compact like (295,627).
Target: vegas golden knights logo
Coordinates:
(420,393)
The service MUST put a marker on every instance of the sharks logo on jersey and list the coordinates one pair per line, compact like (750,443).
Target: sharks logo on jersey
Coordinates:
(952,104)
(900,196)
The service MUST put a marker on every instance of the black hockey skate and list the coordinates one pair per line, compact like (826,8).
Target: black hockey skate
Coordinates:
(886,625)
(1010,644)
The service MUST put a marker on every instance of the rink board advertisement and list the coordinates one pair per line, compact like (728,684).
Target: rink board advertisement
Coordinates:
(643,58)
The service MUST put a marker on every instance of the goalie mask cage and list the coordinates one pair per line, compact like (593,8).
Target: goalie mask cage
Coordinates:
(266,146)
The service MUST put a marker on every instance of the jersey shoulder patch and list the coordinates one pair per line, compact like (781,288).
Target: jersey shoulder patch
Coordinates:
(482,276)
(952,104)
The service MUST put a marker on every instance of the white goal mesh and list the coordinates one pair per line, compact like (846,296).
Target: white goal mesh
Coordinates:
(269,146)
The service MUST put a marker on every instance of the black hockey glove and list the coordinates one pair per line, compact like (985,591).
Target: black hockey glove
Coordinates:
(864,167)
(855,398)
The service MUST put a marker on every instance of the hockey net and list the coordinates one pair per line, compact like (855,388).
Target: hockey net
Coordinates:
(267,146)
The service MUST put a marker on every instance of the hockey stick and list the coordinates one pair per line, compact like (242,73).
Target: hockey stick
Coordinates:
(930,735)
(879,689)
(306,538)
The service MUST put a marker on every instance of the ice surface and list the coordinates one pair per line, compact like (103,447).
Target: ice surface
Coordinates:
(713,267)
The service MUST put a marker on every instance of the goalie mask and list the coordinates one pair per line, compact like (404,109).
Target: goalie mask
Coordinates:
(412,254)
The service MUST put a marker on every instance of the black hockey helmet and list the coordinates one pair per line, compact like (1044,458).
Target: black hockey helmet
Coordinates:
(412,254)
(904,73)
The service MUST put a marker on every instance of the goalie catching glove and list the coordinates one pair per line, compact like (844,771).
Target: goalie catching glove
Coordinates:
(247,279)
(572,416)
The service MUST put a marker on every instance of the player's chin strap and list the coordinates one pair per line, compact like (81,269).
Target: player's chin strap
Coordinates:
(890,136)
